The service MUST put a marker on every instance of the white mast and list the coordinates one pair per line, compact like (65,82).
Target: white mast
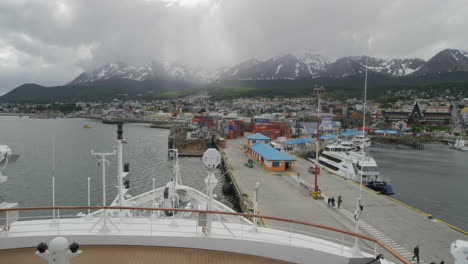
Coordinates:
(357,212)
(363,121)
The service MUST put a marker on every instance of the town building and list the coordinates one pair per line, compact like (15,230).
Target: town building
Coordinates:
(256,138)
(439,115)
(270,158)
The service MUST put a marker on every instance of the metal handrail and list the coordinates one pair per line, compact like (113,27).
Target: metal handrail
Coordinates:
(350,233)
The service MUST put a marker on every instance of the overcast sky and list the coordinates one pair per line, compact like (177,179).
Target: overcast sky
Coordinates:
(50,42)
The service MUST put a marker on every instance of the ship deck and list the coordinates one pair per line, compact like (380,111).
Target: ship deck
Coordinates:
(140,255)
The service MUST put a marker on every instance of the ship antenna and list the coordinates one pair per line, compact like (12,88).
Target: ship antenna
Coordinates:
(120,172)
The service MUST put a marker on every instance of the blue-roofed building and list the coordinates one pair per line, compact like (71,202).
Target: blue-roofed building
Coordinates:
(270,158)
(328,136)
(256,138)
(297,143)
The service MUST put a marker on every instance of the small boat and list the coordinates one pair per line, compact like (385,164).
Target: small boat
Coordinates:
(459,144)
(5,153)
(86,126)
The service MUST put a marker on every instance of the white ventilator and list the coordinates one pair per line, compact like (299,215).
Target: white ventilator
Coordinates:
(58,251)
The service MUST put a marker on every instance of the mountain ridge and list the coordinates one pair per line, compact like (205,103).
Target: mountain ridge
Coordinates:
(119,80)
(287,67)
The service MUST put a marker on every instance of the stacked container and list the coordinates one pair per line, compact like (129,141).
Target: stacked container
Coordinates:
(240,128)
(247,127)
(232,129)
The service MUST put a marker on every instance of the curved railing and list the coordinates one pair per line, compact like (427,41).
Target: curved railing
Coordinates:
(291,221)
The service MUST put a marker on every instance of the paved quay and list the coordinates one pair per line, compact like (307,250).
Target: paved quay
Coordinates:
(400,227)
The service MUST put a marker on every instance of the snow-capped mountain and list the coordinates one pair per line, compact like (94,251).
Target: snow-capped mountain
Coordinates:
(282,67)
(448,60)
(313,66)
(150,71)
(394,67)
(286,67)
(348,66)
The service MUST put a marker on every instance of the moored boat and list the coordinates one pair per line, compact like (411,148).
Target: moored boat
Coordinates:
(353,165)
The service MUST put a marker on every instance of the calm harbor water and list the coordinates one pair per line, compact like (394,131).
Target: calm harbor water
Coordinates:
(433,180)
(29,178)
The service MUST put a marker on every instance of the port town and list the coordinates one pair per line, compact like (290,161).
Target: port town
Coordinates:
(268,158)
(220,131)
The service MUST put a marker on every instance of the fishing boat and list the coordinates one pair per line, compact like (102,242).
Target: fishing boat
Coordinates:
(174,224)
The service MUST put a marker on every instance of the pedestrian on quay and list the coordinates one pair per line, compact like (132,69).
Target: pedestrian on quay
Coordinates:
(416,253)
(329,201)
(340,200)
(333,201)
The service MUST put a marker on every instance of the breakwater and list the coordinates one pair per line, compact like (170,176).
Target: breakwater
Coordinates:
(412,142)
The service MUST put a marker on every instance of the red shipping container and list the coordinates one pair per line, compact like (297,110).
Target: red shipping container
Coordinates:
(279,123)
(272,126)
(257,127)
(232,134)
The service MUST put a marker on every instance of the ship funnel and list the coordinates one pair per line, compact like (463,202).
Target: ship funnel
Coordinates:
(119,131)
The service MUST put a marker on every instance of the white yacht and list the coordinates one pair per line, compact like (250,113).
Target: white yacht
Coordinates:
(361,140)
(175,224)
(342,159)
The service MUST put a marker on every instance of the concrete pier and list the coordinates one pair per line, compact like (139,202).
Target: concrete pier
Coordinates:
(396,224)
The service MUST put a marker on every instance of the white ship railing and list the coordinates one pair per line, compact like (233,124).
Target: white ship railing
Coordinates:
(287,231)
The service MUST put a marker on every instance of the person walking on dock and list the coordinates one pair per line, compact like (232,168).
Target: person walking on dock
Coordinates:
(329,201)
(333,201)
(416,253)
(340,200)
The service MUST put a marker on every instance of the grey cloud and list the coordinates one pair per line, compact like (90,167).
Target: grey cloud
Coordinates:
(55,40)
